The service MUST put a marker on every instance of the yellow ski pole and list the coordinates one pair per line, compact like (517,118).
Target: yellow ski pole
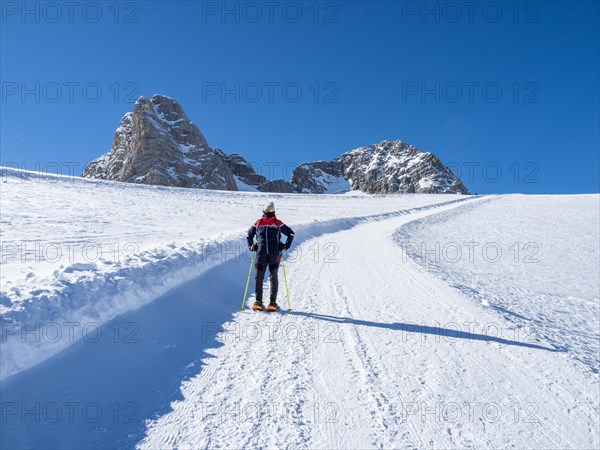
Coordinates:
(248,281)
(287,291)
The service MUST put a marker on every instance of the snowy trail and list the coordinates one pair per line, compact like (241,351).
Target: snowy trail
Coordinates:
(99,392)
(368,358)
(86,251)
(349,369)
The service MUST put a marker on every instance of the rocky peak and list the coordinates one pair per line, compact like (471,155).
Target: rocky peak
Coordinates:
(387,167)
(166,115)
(158,144)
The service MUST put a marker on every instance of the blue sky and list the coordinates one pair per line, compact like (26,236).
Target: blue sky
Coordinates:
(504,93)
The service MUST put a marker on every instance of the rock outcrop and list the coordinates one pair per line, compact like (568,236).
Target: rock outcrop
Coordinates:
(384,168)
(320,177)
(158,144)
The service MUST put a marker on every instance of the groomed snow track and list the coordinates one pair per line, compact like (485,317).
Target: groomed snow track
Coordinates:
(367,358)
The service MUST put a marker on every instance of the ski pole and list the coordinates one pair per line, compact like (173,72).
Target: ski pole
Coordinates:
(287,291)
(248,281)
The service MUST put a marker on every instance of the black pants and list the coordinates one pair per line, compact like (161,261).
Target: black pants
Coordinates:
(262,262)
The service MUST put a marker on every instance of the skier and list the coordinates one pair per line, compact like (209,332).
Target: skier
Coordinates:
(268,230)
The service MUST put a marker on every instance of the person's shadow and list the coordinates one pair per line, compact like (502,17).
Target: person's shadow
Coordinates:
(448,333)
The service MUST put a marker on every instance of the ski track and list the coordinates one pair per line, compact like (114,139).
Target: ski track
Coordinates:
(362,373)
(563,311)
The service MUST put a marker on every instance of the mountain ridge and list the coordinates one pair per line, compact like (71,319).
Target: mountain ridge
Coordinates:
(156,143)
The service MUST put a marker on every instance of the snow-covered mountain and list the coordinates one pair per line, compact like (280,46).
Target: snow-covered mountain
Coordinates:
(387,167)
(158,144)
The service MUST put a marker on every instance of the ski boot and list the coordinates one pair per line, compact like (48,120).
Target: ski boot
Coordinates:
(272,307)
(258,306)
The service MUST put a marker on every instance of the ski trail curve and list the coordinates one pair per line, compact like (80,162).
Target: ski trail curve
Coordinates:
(372,357)
(368,358)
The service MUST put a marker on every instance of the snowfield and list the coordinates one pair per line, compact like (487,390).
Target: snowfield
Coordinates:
(83,251)
(534,259)
(121,321)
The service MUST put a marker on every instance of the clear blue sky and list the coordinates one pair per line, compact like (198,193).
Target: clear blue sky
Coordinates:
(378,61)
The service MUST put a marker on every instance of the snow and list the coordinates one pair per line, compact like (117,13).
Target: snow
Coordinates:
(244,187)
(143,241)
(185,148)
(330,184)
(333,184)
(189,162)
(125,126)
(535,259)
(426,183)
(382,349)
(159,126)
(162,117)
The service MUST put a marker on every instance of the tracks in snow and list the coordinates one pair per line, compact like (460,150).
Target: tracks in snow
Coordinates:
(363,361)
(367,359)
(292,371)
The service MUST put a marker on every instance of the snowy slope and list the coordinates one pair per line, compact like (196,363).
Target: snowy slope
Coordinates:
(535,259)
(378,351)
(244,187)
(84,251)
(380,355)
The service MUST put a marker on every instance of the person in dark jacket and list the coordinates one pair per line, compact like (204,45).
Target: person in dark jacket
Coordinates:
(268,230)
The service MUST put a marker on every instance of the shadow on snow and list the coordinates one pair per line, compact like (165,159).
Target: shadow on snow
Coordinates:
(448,333)
(99,394)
